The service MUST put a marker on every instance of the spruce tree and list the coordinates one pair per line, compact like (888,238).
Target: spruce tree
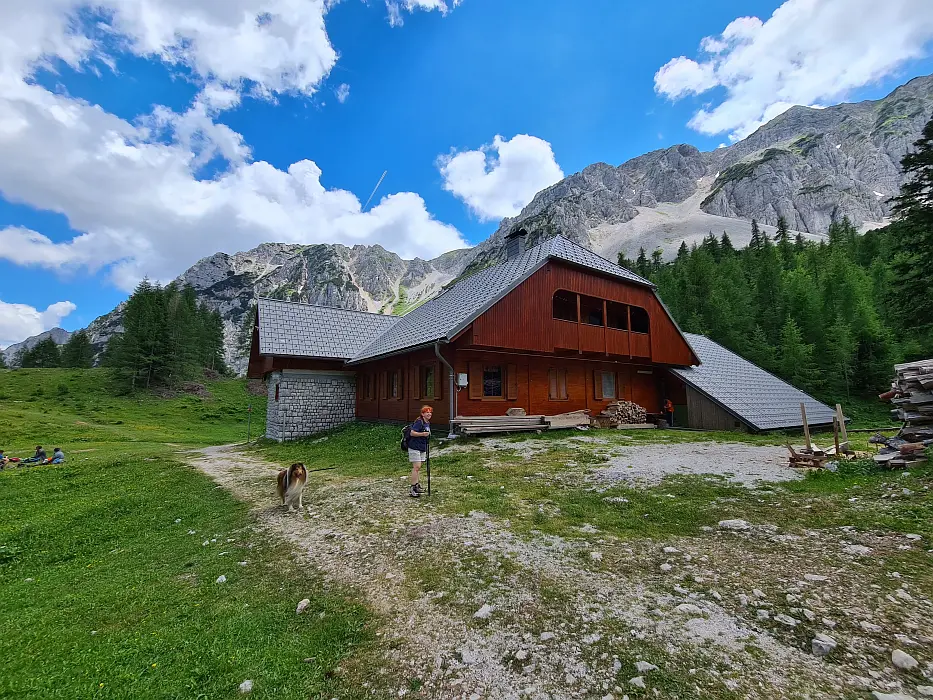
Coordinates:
(682,251)
(784,246)
(912,238)
(796,358)
(755,243)
(641,263)
(43,354)
(725,244)
(799,243)
(78,351)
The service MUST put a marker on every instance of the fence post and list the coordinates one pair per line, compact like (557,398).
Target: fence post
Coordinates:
(249,420)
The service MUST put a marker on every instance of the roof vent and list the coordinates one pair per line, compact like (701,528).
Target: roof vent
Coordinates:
(515,243)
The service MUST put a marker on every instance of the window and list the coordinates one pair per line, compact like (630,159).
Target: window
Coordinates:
(427,381)
(395,386)
(276,392)
(591,310)
(609,384)
(492,381)
(557,384)
(640,322)
(617,315)
(368,386)
(565,306)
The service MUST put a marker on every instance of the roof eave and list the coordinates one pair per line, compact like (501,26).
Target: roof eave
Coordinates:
(360,360)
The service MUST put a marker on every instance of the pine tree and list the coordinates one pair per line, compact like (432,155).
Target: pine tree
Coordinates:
(784,246)
(725,244)
(657,259)
(682,251)
(78,351)
(641,263)
(755,243)
(796,358)
(799,243)
(761,351)
(43,354)
(625,262)
(912,238)
(840,355)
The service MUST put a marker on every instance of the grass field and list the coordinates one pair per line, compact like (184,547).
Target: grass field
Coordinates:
(108,563)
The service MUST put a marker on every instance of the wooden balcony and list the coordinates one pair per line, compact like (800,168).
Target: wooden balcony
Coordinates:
(641,345)
(592,338)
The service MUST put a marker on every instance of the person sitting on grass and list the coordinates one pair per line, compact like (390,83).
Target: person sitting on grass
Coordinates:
(418,448)
(3,459)
(38,457)
(58,457)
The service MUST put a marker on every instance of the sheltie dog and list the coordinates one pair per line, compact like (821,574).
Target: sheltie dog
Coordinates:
(291,482)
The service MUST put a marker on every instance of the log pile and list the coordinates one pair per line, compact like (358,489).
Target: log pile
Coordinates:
(912,395)
(620,413)
(487,425)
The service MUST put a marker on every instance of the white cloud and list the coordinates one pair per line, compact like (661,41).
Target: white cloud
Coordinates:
(20,321)
(132,189)
(807,52)
(395,8)
(500,178)
(342,92)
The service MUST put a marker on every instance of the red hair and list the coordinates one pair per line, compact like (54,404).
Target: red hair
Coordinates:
(426,408)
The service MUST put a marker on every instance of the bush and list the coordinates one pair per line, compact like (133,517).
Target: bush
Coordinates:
(63,389)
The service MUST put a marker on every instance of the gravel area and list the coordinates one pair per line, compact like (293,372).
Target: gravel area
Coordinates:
(739,463)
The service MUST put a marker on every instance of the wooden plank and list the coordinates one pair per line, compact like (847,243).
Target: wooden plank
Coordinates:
(806,427)
(842,425)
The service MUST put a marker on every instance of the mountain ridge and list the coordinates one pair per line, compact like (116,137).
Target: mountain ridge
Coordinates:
(807,165)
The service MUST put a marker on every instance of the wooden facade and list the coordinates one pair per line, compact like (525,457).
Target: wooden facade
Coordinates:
(564,339)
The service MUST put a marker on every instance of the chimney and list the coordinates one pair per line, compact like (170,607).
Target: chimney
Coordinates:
(515,243)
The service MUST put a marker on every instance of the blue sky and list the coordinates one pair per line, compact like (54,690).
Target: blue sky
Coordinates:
(133,155)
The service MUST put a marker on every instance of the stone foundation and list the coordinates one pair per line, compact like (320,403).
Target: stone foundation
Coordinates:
(304,402)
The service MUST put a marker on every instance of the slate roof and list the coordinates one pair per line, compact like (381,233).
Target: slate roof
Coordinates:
(307,330)
(450,312)
(753,395)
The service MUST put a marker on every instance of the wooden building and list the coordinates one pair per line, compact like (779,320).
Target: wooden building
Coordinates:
(552,329)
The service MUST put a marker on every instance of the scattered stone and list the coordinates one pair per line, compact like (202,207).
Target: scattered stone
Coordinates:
(545,636)
(521,654)
(758,593)
(828,623)
(878,695)
(221,579)
(823,645)
(591,638)
(666,567)
(688,609)
(786,620)
(716,595)
(192,532)
(815,578)
(177,520)
(484,613)
(763,614)
(809,614)
(914,537)
(302,605)
(903,660)
(596,556)
(644,667)
(736,524)
(743,599)
(637,681)
(29,580)
(246,687)
(468,656)
(905,640)
(241,563)
(925,690)
(869,626)
(857,549)
(674,550)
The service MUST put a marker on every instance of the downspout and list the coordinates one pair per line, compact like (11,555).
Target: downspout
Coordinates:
(453,390)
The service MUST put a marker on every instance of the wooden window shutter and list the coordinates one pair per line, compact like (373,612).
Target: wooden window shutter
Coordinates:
(597,385)
(416,373)
(552,389)
(511,378)
(401,384)
(438,382)
(562,383)
(385,385)
(476,380)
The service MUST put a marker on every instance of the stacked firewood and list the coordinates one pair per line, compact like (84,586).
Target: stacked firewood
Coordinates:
(912,395)
(621,413)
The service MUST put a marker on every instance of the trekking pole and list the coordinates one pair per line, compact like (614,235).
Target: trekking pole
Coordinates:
(428,465)
(249,420)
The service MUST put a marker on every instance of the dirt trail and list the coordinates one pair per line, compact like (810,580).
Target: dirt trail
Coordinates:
(568,618)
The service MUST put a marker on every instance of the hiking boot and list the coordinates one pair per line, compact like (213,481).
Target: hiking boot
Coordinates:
(418,488)
(414,492)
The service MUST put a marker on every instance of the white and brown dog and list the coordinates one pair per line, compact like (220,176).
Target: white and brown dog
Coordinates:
(291,483)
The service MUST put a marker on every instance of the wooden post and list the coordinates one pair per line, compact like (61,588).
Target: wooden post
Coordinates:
(806,427)
(836,436)
(842,425)
(606,326)
(628,314)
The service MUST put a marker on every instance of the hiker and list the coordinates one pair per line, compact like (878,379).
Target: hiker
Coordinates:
(58,456)
(3,459)
(418,448)
(37,458)
(669,413)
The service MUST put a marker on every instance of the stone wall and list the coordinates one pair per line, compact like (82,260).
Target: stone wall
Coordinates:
(308,402)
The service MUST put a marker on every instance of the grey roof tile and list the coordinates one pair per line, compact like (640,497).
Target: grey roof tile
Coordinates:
(447,314)
(756,396)
(306,330)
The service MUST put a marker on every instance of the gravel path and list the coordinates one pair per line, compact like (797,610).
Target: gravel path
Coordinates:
(743,464)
